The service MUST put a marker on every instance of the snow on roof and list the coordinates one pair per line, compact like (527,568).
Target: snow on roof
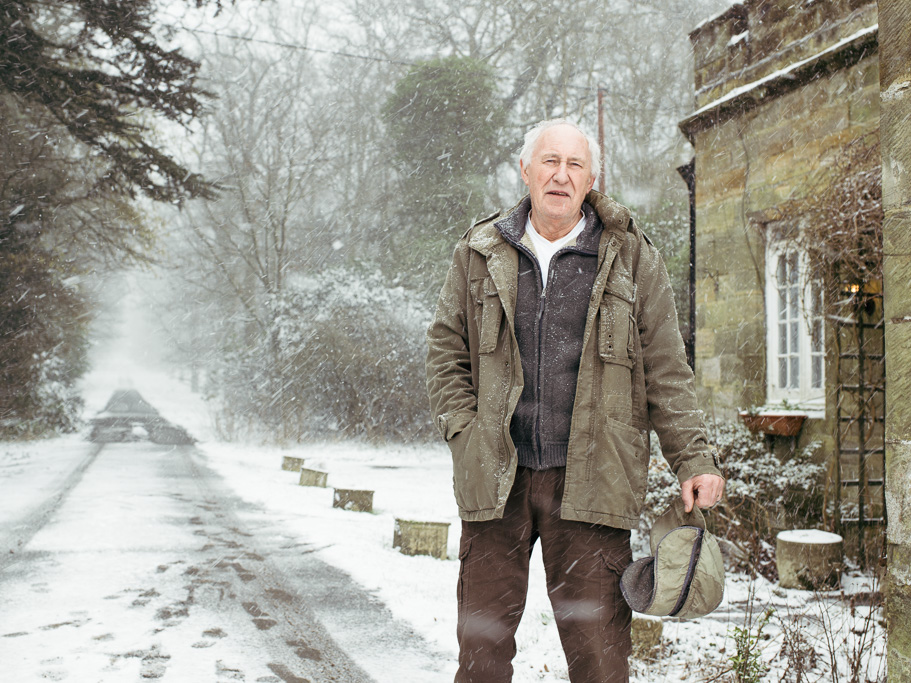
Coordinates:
(783,72)
(738,38)
(715,16)
(809,536)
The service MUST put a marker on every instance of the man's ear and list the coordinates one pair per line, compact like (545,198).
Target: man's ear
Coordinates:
(523,171)
(591,185)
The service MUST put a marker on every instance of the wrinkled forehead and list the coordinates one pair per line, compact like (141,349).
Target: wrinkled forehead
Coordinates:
(563,141)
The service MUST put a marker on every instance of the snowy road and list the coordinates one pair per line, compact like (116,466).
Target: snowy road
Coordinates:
(134,561)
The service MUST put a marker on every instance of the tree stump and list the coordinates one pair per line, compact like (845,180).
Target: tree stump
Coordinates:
(421,538)
(646,634)
(313,477)
(809,559)
(292,464)
(352,499)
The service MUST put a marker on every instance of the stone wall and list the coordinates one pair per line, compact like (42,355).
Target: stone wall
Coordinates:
(755,149)
(756,38)
(896,149)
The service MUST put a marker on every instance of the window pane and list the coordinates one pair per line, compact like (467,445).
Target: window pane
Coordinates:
(793,302)
(795,330)
(782,339)
(795,373)
(816,340)
(817,372)
(783,373)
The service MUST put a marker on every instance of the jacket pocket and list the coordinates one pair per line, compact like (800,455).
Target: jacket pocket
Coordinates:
(491,315)
(615,331)
(616,471)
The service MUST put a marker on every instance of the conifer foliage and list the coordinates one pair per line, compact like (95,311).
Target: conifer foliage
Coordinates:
(94,65)
(82,84)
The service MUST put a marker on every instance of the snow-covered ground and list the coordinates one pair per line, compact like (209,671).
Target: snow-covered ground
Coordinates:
(414,482)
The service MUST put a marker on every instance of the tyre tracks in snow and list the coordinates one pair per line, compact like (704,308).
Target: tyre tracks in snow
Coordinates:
(20,530)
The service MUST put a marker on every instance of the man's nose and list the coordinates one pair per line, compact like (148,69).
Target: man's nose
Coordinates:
(562,174)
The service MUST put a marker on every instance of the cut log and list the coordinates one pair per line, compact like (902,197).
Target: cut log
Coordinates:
(352,499)
(421,538)
(646,634)
(292,464)
(313,477)
(809,559)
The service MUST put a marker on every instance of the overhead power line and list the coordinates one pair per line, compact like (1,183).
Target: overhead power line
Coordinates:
(297,46)
(591,92)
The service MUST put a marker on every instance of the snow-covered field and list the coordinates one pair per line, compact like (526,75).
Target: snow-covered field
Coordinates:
(414,482)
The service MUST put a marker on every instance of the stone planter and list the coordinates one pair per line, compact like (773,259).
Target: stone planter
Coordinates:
(352,499)
(292,464)
(313,478)
(775,424)
(421,538)
(809,559)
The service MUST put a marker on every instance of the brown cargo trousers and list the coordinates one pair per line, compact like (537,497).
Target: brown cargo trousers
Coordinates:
(583,564)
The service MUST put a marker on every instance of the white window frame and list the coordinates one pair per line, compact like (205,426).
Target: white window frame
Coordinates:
(795,333)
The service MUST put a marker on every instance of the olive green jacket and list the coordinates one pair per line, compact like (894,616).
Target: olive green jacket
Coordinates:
(633,376)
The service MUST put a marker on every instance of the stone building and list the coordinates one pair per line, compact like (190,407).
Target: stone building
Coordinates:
(782,88)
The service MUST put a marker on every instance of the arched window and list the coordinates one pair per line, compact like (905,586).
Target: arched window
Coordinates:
(795,328)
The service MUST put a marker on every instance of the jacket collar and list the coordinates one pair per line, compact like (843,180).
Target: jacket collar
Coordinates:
(494,240)
(614,218)
(512,227)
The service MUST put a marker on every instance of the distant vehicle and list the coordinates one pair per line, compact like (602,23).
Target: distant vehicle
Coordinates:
(129,417)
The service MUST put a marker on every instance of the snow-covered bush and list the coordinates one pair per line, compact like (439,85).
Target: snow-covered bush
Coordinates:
(345,354)
(763,493)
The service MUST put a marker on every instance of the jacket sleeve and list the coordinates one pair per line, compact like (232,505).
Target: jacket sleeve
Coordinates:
(450,387)
(670,386)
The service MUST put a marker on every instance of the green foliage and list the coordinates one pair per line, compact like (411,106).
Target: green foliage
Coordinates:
(444,120)
(746,663)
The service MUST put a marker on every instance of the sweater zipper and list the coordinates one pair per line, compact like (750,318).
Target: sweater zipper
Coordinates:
(536,444)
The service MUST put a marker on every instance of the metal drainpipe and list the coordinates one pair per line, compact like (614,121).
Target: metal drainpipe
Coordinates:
(688,173)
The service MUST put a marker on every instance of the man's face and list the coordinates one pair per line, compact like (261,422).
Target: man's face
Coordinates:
(559,175)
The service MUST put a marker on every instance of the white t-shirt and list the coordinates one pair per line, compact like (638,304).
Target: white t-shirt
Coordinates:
(545,249)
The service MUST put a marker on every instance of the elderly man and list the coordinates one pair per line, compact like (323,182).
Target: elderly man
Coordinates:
(553,351)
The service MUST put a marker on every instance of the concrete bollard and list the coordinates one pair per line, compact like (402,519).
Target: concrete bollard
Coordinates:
(352,499)
(292,464)
(809,559)
(313,478)
(421,538)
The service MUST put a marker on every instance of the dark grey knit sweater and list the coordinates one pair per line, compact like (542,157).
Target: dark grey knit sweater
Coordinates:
(549,330)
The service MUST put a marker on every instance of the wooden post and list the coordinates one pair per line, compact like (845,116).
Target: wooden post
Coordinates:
(292,464)
(352,499)
(646,634)
(313,478)
(421,538)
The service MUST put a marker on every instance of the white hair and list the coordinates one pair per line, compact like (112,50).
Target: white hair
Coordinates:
(534,134)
